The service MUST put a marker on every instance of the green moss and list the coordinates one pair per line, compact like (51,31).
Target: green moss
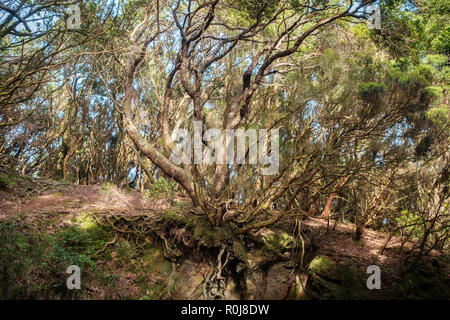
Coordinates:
(172,216)
(320,265)
(152,272)
(239,250)
(200,227)
(28,256)
(277,242)
(203,231)
(155,291)
(153,261)
(85,221)
(329,280)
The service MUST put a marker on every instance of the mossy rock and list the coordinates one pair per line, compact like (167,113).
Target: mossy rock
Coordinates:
(329,280)
(154,261)
(277,242)
(427,280)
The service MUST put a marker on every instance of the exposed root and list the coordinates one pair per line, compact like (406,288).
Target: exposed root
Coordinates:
(107,244)
(214,284)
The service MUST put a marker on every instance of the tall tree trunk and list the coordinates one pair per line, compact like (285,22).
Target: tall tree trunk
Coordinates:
(333,195)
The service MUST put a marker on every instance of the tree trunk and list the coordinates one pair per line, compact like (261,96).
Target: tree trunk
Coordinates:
(327,209)
(338,188)
(360,226)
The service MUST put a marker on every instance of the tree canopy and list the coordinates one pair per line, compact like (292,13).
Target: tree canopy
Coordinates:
(361,113)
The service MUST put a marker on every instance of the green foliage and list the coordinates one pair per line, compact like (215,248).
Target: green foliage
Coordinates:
(106,186)
(371,91)
(410,222)
(436,60)
(162,187)
(27,256)
(255,9)
(349,100)
(440,114)
(75,245)
(441,43)
(6,181)
(19,252)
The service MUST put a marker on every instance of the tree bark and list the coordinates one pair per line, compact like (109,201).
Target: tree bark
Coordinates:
(333,195)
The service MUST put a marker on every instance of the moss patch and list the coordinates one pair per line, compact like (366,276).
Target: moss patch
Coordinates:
(329,280)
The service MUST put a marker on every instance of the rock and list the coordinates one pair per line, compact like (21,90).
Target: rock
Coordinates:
(189,281)
(278,280)
(329,280)
(231,290)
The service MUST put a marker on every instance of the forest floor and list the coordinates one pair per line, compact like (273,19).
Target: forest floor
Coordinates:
(45,224)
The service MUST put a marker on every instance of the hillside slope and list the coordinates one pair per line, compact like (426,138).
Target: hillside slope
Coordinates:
(132,245)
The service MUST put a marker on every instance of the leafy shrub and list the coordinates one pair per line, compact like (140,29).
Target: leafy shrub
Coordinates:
(6,181)
(161,187)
